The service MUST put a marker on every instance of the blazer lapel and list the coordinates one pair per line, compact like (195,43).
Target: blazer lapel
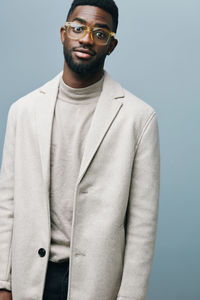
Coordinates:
(106,111)
(44,119)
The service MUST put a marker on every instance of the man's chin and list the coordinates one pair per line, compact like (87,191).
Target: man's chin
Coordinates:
(80,68)
(84,66)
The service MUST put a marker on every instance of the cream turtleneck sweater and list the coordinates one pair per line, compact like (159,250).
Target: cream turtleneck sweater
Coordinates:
(73,115)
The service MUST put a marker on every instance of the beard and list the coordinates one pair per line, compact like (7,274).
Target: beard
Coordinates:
(87,68)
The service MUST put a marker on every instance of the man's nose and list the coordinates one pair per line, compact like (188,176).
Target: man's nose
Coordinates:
(87,38)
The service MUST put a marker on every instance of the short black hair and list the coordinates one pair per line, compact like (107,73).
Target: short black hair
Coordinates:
(107,5)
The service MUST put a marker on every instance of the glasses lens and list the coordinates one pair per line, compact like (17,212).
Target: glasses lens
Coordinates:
(75,31)
(101,36)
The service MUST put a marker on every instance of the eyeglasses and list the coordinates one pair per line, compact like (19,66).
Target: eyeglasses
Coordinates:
(77,31)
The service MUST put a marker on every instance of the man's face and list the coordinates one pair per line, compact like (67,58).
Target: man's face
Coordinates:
(84,56)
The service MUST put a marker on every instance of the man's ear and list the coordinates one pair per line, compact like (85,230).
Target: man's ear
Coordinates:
(62,34)
(113,44)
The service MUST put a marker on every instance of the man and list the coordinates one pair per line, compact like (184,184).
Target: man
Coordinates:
(79,180)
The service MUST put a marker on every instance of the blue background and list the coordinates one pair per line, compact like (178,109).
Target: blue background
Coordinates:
(158,60)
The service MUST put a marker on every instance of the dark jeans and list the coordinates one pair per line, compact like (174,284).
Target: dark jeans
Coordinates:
(56,283)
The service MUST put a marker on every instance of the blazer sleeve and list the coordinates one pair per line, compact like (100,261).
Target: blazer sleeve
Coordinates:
(6,202)
(142,213)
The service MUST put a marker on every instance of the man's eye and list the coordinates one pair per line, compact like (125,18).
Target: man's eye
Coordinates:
(100,34)
(78,29)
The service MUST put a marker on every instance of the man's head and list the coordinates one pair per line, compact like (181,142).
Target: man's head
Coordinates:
(88,35)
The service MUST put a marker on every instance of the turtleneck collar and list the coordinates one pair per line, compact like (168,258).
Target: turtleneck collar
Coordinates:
(69,94)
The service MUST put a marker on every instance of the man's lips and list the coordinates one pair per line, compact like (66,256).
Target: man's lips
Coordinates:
(84,53)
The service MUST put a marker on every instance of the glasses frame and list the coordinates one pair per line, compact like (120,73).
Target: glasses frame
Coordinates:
(89,30)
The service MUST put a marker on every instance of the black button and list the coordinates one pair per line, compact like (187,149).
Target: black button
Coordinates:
(41,252)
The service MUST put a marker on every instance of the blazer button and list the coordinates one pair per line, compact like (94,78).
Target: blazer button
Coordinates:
(42,252)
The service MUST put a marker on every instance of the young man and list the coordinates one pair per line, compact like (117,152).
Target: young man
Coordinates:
(79,180)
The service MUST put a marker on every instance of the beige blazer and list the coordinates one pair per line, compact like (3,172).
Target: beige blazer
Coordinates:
(115,203)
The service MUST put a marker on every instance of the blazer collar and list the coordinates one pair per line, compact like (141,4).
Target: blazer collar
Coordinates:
(108,106)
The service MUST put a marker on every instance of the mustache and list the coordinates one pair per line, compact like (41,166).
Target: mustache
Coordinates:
(84,48)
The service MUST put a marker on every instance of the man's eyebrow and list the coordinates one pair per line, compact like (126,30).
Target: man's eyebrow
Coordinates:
(102,25)
(96,24)
(79,20)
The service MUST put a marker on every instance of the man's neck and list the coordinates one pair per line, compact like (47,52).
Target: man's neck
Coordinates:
(76,80)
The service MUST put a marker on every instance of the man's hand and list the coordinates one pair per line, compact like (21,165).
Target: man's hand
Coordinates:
(5,295)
